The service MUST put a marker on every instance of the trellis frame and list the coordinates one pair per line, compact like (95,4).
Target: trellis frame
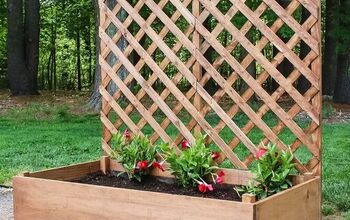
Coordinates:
(309,67)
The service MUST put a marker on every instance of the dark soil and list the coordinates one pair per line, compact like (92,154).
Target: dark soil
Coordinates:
(156,184)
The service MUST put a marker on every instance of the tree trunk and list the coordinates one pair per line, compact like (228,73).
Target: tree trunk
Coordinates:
(77,41)
(342,88)
(48,75)
(95,100)
(329,70)
(54,61)
(53,69)
(23,46)
(89,48)
(32,34)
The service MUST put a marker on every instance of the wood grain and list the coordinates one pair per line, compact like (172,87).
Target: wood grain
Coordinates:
(197,70)
(300,202)
(42,199)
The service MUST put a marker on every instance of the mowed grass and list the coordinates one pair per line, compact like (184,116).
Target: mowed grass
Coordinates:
(42,136)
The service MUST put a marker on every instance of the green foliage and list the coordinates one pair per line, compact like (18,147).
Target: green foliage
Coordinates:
(328,209)
(327,110)
(270,173)
(130,152)
(3,53)
(192,164)
(62,22)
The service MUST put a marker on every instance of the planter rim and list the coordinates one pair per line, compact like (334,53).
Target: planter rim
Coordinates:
(38,175)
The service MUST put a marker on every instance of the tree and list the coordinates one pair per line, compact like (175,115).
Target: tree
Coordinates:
(329,69)
(342,88)
(23,46)
(96,99)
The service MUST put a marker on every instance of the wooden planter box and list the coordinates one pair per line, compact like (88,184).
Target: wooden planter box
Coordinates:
(48,195)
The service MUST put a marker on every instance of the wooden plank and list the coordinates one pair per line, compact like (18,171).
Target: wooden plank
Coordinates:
(262,125)
(253,84)
(150,91)
(104,79)
(206,13)
(204,46)
(293,24)
(190,77)
(150,50)
(129,49)
(312,7)
(104,164)
(248,198)
(204,124)
(292,57)
(261,59)
(131,97)
(189,63)
(316,66)
(276,95)
(42,199)
(272,104)
(67,172)
(106,148)
(263,76)
(107,123)
(197,69)
(246,62)
(299,202)
(119,111)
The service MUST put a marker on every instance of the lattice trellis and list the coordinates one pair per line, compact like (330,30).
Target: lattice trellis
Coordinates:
(172,114)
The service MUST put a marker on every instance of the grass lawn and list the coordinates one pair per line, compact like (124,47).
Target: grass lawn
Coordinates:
(40,136)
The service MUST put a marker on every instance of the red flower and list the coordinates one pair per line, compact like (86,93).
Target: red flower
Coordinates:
(210,187)
(215,155)
(202,187)
(158,165)
(221,173)
(219,179)
(185,144)
(142,165)
(133,171)
(260,153)
(127,134)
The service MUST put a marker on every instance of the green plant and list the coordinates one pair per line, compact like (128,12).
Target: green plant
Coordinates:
(193,164)
(270,173)
(136,154)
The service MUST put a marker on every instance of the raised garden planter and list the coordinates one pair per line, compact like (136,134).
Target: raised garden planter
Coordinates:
(49,195)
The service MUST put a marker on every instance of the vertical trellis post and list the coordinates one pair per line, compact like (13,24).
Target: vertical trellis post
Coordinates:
(104,79)
(317,100)
(197,69)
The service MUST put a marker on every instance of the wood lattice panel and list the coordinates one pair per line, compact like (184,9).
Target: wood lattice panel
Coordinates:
(172,114)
